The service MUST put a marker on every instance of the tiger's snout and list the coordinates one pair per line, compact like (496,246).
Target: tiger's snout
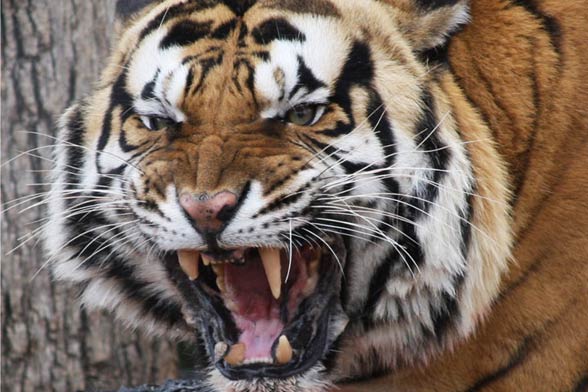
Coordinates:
(209,214)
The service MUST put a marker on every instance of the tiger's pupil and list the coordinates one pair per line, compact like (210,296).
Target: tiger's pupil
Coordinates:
(301,115)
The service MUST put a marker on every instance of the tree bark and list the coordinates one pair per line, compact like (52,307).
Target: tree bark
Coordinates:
(52,52)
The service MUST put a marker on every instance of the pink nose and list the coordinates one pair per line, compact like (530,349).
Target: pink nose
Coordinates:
(209,213)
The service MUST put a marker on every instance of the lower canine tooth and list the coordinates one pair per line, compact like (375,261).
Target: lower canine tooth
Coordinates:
(236,354)
(283,351)
(220,349)
(220,282)
(189,261)
(270,257)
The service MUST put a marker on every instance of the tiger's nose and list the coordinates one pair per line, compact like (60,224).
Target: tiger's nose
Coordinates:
(209,213)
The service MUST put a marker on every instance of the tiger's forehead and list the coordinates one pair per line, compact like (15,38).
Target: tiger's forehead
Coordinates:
(194,59)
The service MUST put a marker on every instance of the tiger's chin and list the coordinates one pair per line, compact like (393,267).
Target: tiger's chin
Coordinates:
(267,316)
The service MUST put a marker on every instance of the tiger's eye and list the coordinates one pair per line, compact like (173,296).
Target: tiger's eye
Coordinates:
(301,114)
(157,123)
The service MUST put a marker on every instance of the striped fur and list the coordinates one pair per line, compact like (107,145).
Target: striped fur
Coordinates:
(415,173)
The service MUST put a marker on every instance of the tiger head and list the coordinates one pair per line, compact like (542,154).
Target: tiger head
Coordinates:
(299,184)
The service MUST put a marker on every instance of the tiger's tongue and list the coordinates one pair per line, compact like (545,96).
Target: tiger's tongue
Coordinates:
(259,313)
(255,310)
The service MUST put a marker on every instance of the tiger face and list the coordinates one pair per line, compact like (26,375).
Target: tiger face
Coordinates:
(288,180)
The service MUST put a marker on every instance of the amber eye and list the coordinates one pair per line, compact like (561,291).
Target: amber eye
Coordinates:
(303,114)
(157,123)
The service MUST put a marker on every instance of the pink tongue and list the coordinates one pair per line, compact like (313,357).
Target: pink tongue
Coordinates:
(256,312)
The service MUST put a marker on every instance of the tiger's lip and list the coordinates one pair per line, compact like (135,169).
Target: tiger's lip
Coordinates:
(308,334)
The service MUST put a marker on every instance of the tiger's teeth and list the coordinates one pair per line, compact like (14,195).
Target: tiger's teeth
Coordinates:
(189,261)
(220,282)
(206,260)
(283,351)
(236,354)
(220,349)
(270,257)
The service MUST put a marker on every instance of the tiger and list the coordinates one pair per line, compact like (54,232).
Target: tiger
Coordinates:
(317,195)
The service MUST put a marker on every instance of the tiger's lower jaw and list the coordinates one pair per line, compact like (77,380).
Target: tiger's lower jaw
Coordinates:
(260,336)
(312,380)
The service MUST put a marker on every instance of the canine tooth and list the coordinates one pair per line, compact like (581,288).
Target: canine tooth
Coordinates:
(220,282)
(220,349)
(189,262)
(230,304)
(283,351)
(270,257)
(206,260)
(236,354)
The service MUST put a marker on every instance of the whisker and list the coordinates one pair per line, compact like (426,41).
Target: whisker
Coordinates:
(289,251)
(69,144)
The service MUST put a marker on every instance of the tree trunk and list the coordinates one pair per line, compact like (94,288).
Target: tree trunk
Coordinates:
(52,52)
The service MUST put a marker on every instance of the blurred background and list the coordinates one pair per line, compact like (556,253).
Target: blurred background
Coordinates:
(52,53)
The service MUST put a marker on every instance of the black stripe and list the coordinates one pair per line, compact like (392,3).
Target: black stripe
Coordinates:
(74,135)
(125,145)
(239,7)
(223,31)
(582,385)
(466,224)
(336,154)
(517,359)
(448,312)
(377,283)
(436,55)
(118,97)
(381,126)
(84,240)
(305,79)
(148,91)
(341,128)
(91,248)
(413,254)
(185,33)
(430,5)
(189,81)
(173,12)
(437,152)
(151,303)
(285,200)
(276,29)
(205,67)
(315,7)
(549,23)
(357,71)
(412,208)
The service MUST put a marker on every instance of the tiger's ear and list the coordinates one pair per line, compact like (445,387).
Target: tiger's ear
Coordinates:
(429,23)
(125,9)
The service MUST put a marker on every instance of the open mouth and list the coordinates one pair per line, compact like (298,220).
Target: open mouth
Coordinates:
(263,312)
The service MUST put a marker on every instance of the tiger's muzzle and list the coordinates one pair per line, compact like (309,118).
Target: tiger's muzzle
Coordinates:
(263,312)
